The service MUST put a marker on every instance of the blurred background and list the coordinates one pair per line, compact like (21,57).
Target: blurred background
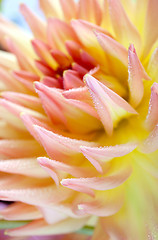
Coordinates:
(10,9)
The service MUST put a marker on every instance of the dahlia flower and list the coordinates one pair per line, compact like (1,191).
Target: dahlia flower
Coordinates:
(79,120)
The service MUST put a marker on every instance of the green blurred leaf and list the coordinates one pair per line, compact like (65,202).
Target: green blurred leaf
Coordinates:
(86,231)
(0,5)
(12,224)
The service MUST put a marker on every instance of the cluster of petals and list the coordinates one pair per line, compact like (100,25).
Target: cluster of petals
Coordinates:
(79,120)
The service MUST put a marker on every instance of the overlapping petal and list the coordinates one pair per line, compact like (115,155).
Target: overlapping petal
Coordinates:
(79,121)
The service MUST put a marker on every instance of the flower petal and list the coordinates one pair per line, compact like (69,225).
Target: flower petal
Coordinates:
(16,109)
(51,82)
(81,93)
(112,47)
(136,75)
(66,112)
(51,8)
(19,148)
(26,78)
(40,227)
(76,171)
(106,204)
(8,61)
(20,211)
(110,106)
(23,166)
(98,156)
(59,147)
(31,190)
(152,68)
(37,26)
(90,11)
(150,29)
(61,58)
(8,82)
(110,181)
(25,62)
(25,100)
(151,143)
(71,79)
(85,32)
(69,9)
(125,31)
(43,51)
(55,38)
(152,117)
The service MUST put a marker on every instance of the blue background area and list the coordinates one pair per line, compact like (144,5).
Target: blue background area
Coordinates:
(10,9)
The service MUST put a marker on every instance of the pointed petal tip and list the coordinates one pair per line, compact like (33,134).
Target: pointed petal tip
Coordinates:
(96,164)
(132,48)
(42,162)
(154,87)
(22,6)
(38,85)
(69,184)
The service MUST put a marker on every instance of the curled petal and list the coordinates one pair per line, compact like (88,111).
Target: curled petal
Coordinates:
(76,171)
(86,185)
(110,106)
(105,205)
(112,47)
(30,121)
(54,174)
(59,147)
(136,75)
(98,156)
(64,111)
(152,117)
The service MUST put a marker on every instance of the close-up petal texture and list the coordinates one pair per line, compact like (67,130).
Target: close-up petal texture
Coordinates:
(79,122)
